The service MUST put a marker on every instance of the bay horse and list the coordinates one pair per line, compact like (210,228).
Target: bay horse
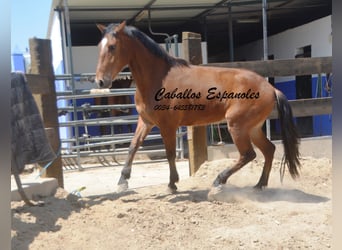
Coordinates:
(171,93)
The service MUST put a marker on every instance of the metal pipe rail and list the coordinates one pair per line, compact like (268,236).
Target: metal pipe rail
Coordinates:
(116,141)
(101,138)
(115,137)
(92,93)
(80,146)
(98,107)
(115,152)
(87,75)
(118,120)
(113,142)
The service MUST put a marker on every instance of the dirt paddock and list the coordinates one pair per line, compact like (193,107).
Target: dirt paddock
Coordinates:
(293,215)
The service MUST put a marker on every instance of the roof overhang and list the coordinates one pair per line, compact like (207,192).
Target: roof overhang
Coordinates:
(208,17)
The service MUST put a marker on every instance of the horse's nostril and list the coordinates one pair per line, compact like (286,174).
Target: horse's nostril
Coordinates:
(101,83)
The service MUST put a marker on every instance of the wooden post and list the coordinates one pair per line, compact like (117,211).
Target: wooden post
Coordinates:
(197,135)
(44,93)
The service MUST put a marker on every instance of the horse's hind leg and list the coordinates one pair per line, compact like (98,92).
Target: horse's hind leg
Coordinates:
(243,143)
(140,134)
(169,138)
(267,148)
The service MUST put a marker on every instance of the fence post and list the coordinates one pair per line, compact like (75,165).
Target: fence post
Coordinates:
(41,64)
(197,135)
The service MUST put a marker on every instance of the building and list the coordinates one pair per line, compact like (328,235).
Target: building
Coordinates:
(231,30)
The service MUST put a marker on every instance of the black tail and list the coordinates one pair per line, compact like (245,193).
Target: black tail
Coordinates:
(289,136)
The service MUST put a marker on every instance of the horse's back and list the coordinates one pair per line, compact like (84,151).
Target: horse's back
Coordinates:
(230,78)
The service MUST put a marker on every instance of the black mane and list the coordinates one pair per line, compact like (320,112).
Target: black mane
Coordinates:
(149,44)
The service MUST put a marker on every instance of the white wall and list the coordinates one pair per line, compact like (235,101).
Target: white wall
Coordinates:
(85,57)
(285,44)
(85,60)
(58,66)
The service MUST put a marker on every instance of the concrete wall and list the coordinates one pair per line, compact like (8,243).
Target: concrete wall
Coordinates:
(316,147)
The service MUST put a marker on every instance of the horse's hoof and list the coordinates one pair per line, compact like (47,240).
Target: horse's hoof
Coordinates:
(122,186)
(215,192)
(217,182)
(172,188)
(259,187)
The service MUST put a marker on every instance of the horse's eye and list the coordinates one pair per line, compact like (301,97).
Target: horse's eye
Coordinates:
(111,48)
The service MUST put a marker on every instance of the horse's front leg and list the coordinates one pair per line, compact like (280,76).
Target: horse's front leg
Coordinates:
(140,134)
(169,138)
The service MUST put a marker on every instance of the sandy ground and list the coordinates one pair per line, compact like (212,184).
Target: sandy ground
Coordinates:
(292,215)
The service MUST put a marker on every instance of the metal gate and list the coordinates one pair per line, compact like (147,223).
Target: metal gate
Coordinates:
(104,147)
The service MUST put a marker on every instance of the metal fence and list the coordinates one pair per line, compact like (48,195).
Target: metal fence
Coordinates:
(103,147)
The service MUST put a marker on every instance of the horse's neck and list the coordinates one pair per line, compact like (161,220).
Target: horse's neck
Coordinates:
(148,72)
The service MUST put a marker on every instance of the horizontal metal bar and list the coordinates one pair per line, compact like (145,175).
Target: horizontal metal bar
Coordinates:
(117,120)
(111,138)
(113,142)
(88,75)
(95,93)
(97,107)
(100,138)
(112,153)
(169,7)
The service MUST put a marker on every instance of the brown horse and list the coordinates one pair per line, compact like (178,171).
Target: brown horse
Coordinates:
(172,93)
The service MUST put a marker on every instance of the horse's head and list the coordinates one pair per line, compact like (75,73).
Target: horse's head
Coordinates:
(112,56)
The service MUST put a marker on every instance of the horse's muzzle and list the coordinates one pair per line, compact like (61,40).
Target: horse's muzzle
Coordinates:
(100,83)
(103,83)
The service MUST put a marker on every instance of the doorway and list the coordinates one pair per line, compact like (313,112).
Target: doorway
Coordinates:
(304,91)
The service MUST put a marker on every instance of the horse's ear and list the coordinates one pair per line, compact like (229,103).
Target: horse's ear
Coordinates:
(101,27)
(121,26)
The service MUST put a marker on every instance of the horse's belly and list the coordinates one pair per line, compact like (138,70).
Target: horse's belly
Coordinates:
(200,115)
(200,120)
(182,114)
